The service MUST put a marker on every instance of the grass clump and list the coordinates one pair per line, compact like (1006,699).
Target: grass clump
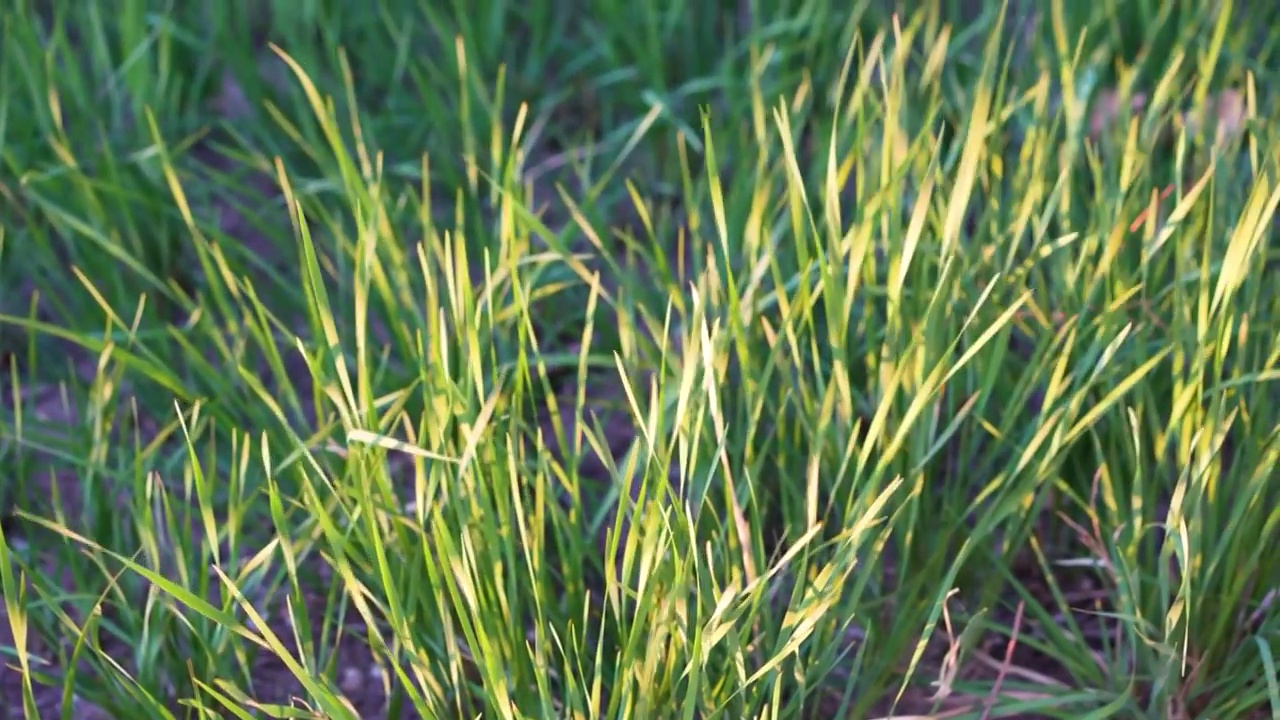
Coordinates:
(615,360)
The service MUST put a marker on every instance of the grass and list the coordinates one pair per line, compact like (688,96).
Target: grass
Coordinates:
(662,360)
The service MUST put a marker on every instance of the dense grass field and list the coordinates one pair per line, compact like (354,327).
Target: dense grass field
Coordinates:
(758,359)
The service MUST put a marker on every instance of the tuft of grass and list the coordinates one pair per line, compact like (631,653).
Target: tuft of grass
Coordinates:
(769,359)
